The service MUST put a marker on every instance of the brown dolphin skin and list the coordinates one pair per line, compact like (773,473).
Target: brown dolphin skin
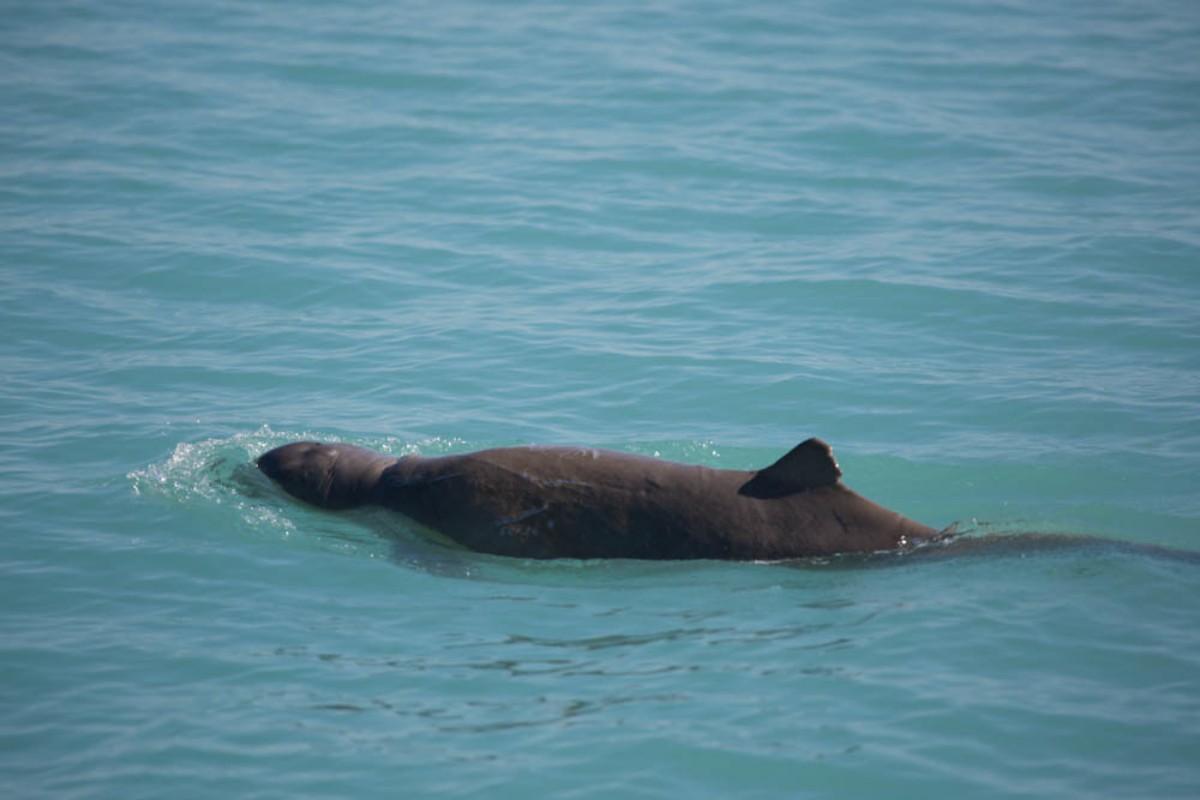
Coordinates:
(569,502)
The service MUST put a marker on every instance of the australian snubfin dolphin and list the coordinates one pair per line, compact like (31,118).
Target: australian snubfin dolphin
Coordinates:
(564,502)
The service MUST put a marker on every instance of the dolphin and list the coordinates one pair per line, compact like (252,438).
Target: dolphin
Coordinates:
(574,502)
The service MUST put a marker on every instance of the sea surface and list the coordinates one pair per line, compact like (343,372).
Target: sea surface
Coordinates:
(958,240)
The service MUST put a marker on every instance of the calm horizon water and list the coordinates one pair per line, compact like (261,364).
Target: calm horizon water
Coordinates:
(958,240)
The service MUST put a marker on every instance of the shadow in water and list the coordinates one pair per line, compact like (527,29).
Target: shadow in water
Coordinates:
(999,545)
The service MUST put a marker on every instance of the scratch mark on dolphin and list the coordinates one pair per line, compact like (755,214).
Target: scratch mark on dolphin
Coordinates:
(524,515)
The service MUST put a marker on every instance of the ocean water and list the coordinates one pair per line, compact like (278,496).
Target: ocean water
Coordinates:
(958,240)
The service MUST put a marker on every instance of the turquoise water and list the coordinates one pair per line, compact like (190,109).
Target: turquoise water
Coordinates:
(958,240)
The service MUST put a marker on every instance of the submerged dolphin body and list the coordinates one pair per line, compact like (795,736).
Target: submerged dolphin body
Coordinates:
(563,502)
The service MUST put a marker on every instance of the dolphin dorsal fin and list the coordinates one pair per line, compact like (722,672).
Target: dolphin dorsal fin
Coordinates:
(808,465)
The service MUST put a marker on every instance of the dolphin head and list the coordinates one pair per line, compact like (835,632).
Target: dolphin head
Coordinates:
(333,476)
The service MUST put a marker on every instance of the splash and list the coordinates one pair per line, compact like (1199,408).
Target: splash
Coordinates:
(219,473)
